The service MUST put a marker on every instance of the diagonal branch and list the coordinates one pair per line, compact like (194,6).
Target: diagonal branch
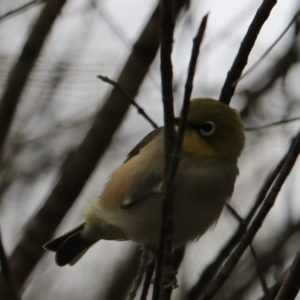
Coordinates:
(82,162)
(140,110)
(247,44)
(211,270)
(291,284)
(258,62)
(24,65)
(20,9)
(257,222)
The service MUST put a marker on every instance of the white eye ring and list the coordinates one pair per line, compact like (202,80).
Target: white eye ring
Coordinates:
(207,128)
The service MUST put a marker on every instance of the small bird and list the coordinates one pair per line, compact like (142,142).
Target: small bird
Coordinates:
(131,203)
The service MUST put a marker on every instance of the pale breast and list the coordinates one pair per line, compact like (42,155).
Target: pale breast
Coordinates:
(202,188)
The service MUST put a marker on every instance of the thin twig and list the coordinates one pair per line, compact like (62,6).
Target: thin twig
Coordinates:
(20,9)
(5,271)
(257,222)
(139,276)
(272,124)
(260,273)
(247,44)
(148,277)
(130,99)
(291,284)
(255,65)
(235,214)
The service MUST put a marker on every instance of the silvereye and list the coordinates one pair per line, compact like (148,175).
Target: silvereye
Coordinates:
(130,205)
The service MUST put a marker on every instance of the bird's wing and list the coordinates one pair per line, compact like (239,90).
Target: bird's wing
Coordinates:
(151,182)
(144,142)
(132,202)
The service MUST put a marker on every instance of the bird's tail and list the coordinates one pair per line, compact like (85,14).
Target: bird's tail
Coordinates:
(69,247)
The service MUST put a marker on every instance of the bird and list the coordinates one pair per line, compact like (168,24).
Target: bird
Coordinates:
(130,207)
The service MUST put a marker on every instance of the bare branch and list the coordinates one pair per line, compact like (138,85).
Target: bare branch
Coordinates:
(81,163)
(280,69)
(148,277)
(291,283)
(247,44)
(164,252)
(272,124)
(255,65)
(260,273)
(257,222)
(24,65)
(140,110)
(20,9)
(167,220)
(258,267)
(210,271)
(144,257)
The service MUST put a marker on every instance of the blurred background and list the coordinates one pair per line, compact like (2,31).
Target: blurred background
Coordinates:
(63,96)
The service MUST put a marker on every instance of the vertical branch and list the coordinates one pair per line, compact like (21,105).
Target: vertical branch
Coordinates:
(24,65)
(166,68)
(189,85)
(247,44)
(20,9)
(167,226)
(164,253)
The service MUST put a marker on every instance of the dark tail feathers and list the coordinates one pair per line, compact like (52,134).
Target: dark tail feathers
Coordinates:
(69,247)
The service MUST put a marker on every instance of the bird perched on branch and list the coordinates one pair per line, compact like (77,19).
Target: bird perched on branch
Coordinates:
(131,203)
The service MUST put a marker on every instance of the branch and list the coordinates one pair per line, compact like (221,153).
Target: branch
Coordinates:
(257,222)
(130,99)
(167,221)
(144,259)
(272,124)
(82,162)
(247,44)
(280,69)
(20,9)
(148,278)
(24,65)
(164,252)
(257,63)
(291,283)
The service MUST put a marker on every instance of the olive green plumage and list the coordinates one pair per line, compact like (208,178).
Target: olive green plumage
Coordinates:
(130,205)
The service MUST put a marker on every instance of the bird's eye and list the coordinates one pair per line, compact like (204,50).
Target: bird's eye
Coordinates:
(207,128)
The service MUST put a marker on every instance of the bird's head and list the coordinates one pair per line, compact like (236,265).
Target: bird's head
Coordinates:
(214,129)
